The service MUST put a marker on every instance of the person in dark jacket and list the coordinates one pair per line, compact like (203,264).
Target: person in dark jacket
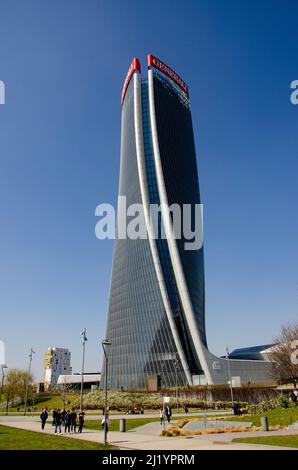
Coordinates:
(73,420)
(54,414)
(44,416)
(168,413)
(67,421)
(58,422)
(81,420)
(236,409)
(63,413)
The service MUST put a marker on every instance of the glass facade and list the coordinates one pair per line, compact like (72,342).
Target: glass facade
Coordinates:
(141,339)
(142,343)
(179,166)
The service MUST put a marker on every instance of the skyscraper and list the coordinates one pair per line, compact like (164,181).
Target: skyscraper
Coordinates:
(156,317)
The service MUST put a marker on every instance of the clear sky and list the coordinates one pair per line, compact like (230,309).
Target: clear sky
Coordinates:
(63,63)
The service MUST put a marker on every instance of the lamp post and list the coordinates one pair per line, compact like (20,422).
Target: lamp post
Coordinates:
(33,402)
(176,380)
(83,333)
(279,376)
(7,399)
(3,366)
(63,395)
(163,371)
(27,382)
(229,369)
(106,342)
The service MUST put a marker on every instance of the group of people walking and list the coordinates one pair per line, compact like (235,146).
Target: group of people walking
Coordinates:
(69,419)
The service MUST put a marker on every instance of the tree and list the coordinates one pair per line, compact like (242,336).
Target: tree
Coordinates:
(16,381)
(283,354)
(26,377)
(13,384)
(65,392)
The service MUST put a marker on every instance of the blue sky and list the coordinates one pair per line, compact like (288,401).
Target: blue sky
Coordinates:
(63,64)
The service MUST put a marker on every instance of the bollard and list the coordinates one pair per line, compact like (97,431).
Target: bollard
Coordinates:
(122,425)
(264,423)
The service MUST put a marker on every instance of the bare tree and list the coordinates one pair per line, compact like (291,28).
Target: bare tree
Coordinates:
(283,366)
(66,392)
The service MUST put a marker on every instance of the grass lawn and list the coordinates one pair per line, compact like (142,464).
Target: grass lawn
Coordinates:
(278,416)
(18,439)
(43,400)
(285,441)
(114,426)
(131,423)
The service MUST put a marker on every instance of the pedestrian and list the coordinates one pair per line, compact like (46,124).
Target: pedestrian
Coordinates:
(73,421)
(54,414)
(285,404)
(67,422)
(106,424)
(168,413)
(44,416)
(63,413)
(161,415)
(81,420)
(58,422)
(236,409)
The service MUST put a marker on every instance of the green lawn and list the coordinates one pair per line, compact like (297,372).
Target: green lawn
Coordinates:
(43,400)
(51,401)
(114,426)
(278,416)
(18,439)
(285,441)
(131,423)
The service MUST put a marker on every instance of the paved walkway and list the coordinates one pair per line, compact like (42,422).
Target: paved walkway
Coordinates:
(147,437)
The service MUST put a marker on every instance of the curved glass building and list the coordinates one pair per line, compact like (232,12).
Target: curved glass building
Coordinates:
(156,317)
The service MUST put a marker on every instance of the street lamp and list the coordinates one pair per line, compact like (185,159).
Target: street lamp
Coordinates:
(28,377)
(176,380)
(106,342)
(83,333)
(7,399)
(229,369)
(163,379)
(3,366)
(279,375)
(33,402)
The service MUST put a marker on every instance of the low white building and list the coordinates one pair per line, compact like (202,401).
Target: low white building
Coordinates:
(90,380)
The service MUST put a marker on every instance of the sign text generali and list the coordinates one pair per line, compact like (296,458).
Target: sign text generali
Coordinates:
(165,69)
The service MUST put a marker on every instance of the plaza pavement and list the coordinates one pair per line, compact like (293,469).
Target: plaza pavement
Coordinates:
(147,437)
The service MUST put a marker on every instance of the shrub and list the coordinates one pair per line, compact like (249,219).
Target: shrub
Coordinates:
(174,431)
(267,405)
(127,400)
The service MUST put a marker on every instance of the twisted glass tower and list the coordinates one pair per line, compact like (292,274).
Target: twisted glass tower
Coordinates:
(156,317)
(156,320)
